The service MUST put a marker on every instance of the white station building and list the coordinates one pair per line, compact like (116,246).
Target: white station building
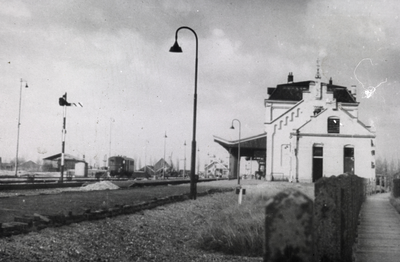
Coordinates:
(311,131)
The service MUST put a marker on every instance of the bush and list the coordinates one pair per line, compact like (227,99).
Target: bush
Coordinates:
(396,188)
(236,230)
(395,203)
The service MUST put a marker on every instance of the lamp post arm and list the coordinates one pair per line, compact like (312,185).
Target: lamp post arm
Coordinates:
(195,35)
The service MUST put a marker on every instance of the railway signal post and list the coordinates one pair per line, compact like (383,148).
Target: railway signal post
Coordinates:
(63,102)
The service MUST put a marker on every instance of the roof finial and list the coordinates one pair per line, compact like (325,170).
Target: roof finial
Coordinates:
(317,76)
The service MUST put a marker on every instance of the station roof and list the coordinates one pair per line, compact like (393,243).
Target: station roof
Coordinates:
(56,157)
(250,146)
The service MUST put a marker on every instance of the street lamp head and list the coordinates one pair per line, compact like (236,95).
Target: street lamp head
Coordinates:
(232,127)
(175,48)
(26,86)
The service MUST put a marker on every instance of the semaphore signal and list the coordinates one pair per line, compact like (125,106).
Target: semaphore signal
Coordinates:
(62,101)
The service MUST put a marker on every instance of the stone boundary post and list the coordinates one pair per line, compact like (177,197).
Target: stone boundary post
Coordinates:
(288,227)
(296,229)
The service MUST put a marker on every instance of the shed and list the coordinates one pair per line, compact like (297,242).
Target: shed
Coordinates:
(54,162)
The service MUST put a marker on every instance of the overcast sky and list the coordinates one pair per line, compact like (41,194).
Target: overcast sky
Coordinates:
(112,56)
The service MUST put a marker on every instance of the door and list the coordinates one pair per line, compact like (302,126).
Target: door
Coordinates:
(317,165)
(348,163)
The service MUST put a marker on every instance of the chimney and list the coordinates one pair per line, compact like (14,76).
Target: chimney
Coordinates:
(290,77)
(330,81)
(354,90)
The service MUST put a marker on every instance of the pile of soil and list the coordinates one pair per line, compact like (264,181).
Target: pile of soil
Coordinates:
(103,185)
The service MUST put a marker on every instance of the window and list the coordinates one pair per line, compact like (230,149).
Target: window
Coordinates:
(318,151)
(317,110)
(348,166)
(348,151)
(317,165)
(333,125)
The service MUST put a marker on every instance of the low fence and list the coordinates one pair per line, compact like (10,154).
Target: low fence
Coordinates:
(298,229)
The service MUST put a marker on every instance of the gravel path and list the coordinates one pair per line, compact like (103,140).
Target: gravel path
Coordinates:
(166,233)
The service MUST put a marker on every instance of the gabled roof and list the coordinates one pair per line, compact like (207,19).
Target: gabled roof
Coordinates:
(218,165)
(341,109)
(160,164)
(29,164)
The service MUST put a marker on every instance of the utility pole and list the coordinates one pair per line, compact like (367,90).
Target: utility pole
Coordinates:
(184,163)
(19,124)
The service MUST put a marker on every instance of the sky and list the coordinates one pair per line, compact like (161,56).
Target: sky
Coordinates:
(113,57)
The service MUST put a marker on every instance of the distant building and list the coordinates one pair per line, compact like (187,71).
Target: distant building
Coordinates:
(216,169)
(6,166)
(149,170)
(161,167)
(53,163)
(29,166)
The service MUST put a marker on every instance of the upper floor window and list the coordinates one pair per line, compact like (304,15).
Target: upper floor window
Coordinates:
(317,110)
(333,124)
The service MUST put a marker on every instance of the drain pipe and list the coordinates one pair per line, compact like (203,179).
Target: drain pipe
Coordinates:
(296,154)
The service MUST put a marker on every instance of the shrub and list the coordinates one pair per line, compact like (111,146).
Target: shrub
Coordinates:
(236,229)
(395,203)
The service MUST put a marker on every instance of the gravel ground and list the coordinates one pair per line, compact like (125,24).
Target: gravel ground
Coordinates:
(166,233)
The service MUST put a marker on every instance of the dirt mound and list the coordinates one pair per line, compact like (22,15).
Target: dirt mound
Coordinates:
(103,185)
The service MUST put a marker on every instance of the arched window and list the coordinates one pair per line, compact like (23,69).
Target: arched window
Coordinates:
(333,124)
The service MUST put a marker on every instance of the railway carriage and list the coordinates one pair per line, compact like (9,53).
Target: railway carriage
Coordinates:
(121,166)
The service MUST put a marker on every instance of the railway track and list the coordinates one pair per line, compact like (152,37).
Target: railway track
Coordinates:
(44,183)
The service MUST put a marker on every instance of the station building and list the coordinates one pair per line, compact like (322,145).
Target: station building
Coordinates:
(312,130)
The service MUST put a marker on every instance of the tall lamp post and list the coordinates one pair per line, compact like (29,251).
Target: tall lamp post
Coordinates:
(238,163)
(177,49)
(165,143)
(19,123)
(239,190)
(184,163)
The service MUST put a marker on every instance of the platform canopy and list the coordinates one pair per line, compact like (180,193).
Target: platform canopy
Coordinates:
(254,146)
(57,157)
